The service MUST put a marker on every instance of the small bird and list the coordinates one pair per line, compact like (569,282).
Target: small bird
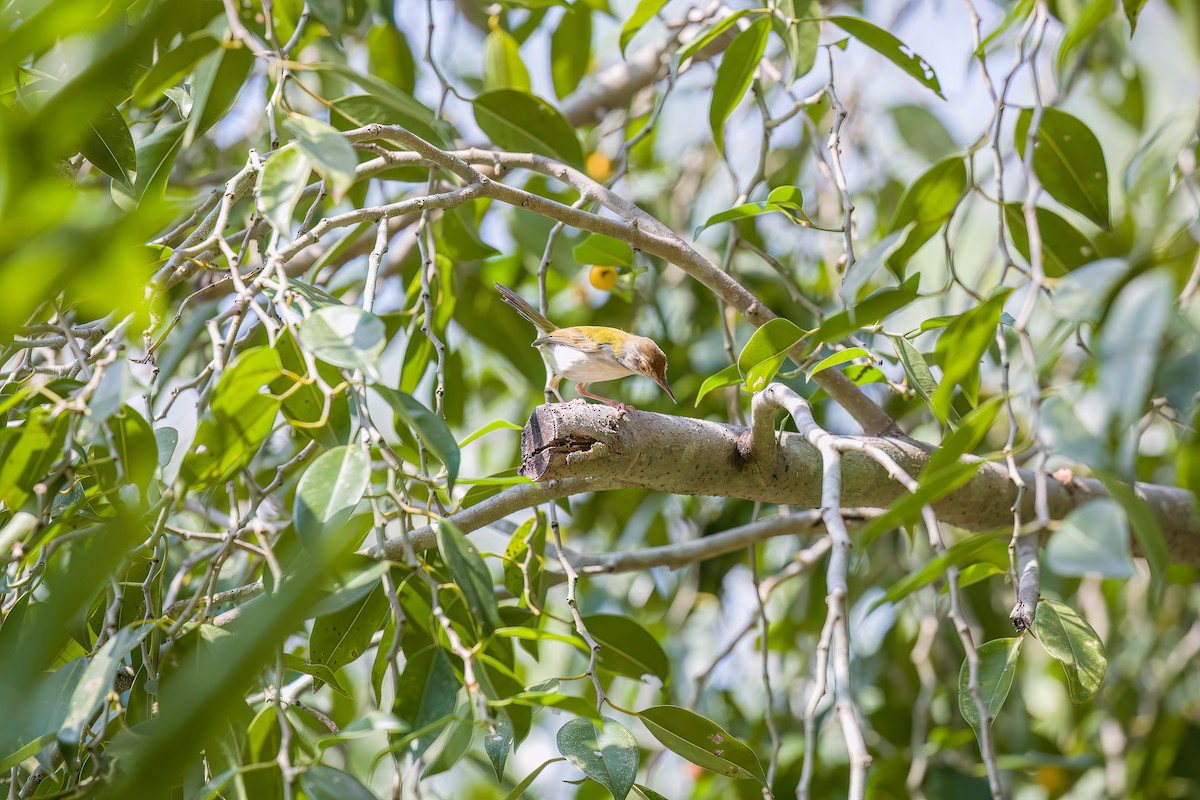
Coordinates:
(591,353)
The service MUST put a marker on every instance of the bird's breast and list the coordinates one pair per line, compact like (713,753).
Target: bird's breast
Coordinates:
(583,367)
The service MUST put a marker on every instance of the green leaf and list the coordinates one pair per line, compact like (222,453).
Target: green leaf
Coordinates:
(390,57)
(322,673)
(109,146)
(456,744)
(238,420)
(173,64)
(571,49)
(872,309)
(523,562)
(643,13)
(802,37)
(627,648)
(920,377)
(529,779)
(840,357)
(785,199)
(1064,248)
(1068,161)
(766,351)
(997,667)
(340,638)
(497,743)
(648,793)
(730,376)
(345,336)
(734,76)
(603,251)
(280,185)
(35,447)
(703,40)
(96,683)
(981,548)
(471,574)
(961,347)
(1092,540)
(217,82)
(1146,530)
(1129,345)
(868,264)
(388,105)
(1087,20)
(428,426)
(329,490)
(1070,639)
(608,754)
(155,157)
(503,67)
(892,49)
(331,14)
(426,693)
(135,446)
(521,122)
(331,155)
(926,207)
(320,782)
(923,132)
(702,742)
(1132,8)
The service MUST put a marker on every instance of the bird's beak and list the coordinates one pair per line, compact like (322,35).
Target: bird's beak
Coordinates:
(663,383)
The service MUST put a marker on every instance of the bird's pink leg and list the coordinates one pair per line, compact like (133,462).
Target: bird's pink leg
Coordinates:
(622,407)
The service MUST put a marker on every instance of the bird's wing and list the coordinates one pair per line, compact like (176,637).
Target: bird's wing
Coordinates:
(579,338)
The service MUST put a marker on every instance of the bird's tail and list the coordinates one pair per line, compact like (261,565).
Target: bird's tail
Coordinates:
(525,310)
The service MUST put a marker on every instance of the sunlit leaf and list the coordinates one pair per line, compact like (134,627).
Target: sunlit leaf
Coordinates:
(345,336)
(503,67)
(734,75)
(892,49)
(521,122)
(1070,639)
(1068,161)
(703,742)
(470,573)
(997,668)
(627,648)
(607,754)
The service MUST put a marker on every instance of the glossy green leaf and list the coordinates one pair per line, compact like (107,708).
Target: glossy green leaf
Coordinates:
(520,788)
(521,122)
(734,75)
(96,683)
(766,351)
(388,106)
(331,155)
(172,66)
(503,67)
(1064,248)
(471,574)
(345,336)
(426,693)
(330,13)
(1092,540)
(642,13)
(892,49)
(217,82)
(787,200)
(280,185)
(329,490)
(627,648)
(155,158)
(981,548)
(1069,638)
(571,49)
(802,36)
(840,357)
(997,668)
(710,35)
(607,754)
(1068,161)
(320,782)
(390,57)
(730,376)
(926,207)
(109,146)
(428,426)
(874,308)
(647,792)
(920,377)
(961,347)
(340,638)
(240,417)
(603,251)
(523,562)
(497,743)
(702,742)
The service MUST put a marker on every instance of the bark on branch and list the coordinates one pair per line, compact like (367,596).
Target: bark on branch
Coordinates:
(592,445)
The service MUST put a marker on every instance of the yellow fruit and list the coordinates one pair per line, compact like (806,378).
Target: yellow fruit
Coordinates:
(603,278)
(598,166)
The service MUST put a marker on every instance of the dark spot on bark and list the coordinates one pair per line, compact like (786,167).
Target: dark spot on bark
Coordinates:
(742,453)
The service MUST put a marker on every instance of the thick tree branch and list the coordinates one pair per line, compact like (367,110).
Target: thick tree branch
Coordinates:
(576,441)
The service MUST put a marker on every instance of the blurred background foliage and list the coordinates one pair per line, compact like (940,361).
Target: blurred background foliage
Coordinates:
(166,442)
